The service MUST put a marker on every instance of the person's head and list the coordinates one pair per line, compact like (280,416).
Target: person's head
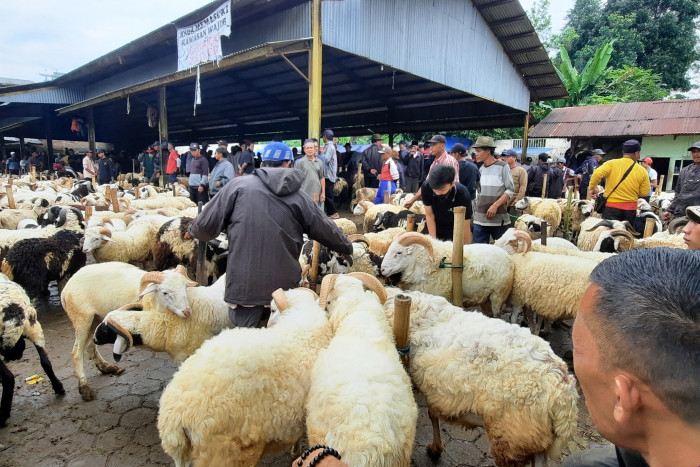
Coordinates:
(316,145)
(88,153)
(543,157)
(637,343)
(277,154)
(377,139)
(441,180)
(695,152)
(458,151)
(691,231)
(101,153)
(195,149)
(222,143)
(385,152)
(646,162)
(248,145)
(71,152)
(484,148)
(437,145)
(34,153)
(171,147)
(309,148)
(561,162)
(402,144)
(220,153)
(348,147)
(12,154)
(631,148)
(510,157)
(414,147)
(597,153)
(327,135)
(528,160)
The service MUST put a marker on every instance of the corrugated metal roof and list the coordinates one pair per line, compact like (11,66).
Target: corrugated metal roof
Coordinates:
(47,96)
(678,117)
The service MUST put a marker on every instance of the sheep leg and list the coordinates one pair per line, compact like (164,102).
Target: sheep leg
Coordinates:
(528,317)
(48,369)
(102,365)
(436,447)
(8,388)
(487,309)
(538,325)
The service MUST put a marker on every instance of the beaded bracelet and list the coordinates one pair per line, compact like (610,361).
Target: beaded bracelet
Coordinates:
(327,451)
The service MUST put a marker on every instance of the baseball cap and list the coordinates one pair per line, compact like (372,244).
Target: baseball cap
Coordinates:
(598,152)
(510,152)
(693,213)
(100,151)
(437,139)
(89,151)
(195,146)
(484,142)
(403,141)
(630,146)
(12,153)
(222,142)
(562,160)
(459,149)
(277,151)
(648,160)
(695,146)
(414,143)
(385,149)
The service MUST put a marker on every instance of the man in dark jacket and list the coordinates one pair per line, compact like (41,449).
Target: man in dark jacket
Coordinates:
(372,162)
(468,173)
(556,187)
(265,217)
(535,177)
(415,172)
(105,171)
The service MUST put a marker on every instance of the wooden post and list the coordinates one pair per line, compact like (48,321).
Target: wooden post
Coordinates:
(526,130)
(10,196)
(543,233)
(133,166)
(660,185)
(32,170)
(410,223)
(91,130)
(174,192)
(402,314)
(358,174)
(544,186)
(137,192)
(315,71)
(88,212)
(649,227)
(21,148)
(313,274)
(201,274)
(115,201)
(386,196)
(163,129)
(458,254)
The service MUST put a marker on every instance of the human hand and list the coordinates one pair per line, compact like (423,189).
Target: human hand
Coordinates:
(373,171)
(491,213)
(187,236)
(323,197)
(200,189)
(218,183)
(408,204)
(348,259)
(666,216)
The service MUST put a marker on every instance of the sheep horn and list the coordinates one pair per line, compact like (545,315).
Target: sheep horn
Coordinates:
(120,330)
(623,233)
(61,218)
(183,270)
(131,306)
(104,231)
(154,276)
(308,290)
(326,286)
(604,223)
(630,229)
(676,224)
(372,283)
(6,269)
(280,299)
(107,220)
(83,200)
(409,238)
(525,238)
(357,238)
(78,213)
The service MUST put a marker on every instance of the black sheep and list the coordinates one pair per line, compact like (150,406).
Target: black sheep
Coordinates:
(388,219)
(34,262)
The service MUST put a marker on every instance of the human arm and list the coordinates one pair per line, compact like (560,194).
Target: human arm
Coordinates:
(213,220)
(323,189)
(598,174)
(415,198)
(522,186)
(227,175)
(318,227)
(430,221)
(505,197)
(645,186)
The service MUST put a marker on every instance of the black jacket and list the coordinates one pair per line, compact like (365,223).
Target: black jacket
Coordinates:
(371,159)
(535,178)
(265,216)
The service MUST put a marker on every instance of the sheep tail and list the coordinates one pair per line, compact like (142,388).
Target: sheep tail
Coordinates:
(178,445)
(564,416)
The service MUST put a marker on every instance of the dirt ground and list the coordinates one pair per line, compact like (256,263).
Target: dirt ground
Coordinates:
(118,428)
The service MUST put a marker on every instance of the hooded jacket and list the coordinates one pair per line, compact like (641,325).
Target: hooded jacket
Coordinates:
(265,217)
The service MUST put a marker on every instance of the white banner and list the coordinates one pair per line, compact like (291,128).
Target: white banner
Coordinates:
(201,42)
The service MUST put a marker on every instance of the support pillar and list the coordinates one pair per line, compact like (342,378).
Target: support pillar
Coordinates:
(526,130)
(315,71)
(91,130)
(163,130)
(22,148)
(2,147)
(48,121)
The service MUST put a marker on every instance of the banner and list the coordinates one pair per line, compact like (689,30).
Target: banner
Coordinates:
(201,42)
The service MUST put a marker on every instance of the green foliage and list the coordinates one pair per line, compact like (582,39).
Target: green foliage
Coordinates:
(579,86)
(541,20)
(629,84)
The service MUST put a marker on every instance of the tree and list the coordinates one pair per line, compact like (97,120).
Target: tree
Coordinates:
(580,85)
(629,84)
(541,20)
(583,19)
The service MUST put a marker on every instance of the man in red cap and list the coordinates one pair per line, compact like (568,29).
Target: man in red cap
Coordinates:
(653,176)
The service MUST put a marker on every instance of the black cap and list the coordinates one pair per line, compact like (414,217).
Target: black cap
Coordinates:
(403,141)
(631,146)
(459,149)
(438,139)
(195,146)
(414,143)
(543,157)
(222,142)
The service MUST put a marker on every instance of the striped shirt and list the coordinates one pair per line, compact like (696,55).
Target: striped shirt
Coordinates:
(495,180)
(447,160)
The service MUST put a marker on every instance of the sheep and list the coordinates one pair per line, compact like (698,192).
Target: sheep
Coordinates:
(487,276)
(330,262)
(363,194)
(19,321)
(375,402)
(130,246)
(677,224)
(547,209)
(346,226)
(580,211)
(157,202)
(590,237)
(389,219)
(371,210)
(530,224)
(119,283)
(58,216)
(163,331)
(555,245)
(341,191)
(10,218)
(644,212)
(660,239)
(480,371)
(34,262)
(379,242)
(27,224)
(243,392)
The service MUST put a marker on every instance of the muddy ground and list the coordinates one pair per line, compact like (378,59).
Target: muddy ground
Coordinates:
(118,428)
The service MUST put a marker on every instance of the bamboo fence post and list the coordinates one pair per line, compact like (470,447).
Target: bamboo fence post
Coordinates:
(115,201)
(649,227)
(88,213)
(200,274)
(402,314)
(458,255)
(32,170)
(660,185)
(410,223)
(386,197)
(10,196)
(544,186)
(543,233)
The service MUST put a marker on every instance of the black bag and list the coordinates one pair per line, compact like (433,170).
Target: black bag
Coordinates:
(601,200)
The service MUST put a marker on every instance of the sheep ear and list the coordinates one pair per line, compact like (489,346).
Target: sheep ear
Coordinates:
(152,287)
(105,238)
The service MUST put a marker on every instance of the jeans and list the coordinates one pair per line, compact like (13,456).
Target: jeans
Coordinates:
(483,233)
(605,456)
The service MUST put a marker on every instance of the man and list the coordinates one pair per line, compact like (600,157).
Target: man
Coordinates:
(403,150)
(585,170)
(199,171)
(622,201)
(528,163)
(518,174)
(105,172)
(147,164)
(173,163)
(535,177)
(556,188)
(637,358)
(437,150)
(372,162)
(468,173)
(691,230)
(440,195)
(266,215)
(491,219)
(414,168)
(13,164)
(687,186)
(329,157)
(653,176)
(311,167)
(89,168)
(35,161)
(388,176)
(223,144)
(222,173)
(247,159)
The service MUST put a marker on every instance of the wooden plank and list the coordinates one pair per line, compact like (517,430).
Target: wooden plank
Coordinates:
(410,223)
(458,254)
(10,196)
(649,227)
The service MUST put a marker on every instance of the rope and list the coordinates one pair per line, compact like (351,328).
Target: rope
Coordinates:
(446,265)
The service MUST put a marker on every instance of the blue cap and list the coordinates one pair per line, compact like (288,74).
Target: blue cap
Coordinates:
(195,146)
(510,152)
(277,151)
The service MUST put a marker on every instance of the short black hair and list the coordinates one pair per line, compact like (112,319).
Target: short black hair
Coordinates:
(272,164)
(650,326)
(441,175)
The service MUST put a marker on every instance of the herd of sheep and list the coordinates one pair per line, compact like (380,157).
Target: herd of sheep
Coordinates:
(326,367)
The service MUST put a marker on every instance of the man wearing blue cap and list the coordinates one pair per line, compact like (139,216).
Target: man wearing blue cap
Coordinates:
(265,216)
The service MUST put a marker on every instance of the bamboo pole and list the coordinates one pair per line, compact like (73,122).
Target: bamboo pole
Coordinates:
(386,197)
(115,201)
(315,71)
(544,186)
(201,273)
(543,233)
(660,186)
(402,314)
(10,196)
(88,213)
(458,255)
(410,223)
(32,170)
(649,227)
(137,192)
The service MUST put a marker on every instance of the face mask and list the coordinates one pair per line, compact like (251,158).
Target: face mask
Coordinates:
(445,196)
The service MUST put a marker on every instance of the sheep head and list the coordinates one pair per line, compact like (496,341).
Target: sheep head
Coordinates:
(368,281)
(283,301)
(622,245)
(514,241)
(403,250)
(169,289)
(95,237)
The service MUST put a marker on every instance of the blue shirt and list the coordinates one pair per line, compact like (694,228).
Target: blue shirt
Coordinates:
(223,172)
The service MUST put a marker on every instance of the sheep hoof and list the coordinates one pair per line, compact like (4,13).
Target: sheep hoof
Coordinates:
(86,393)
(434,451)
(110,369)
(58,389)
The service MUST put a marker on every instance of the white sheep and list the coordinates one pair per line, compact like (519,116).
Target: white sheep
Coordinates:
(545,208)
(157,202)
(379,242)
(163,331)
(487,276)
(347,226)
(480,371)
(374,401)
(243,392)
(511,243)
(132,245)
(370,211)
(595,235)
(530,224)
(117,284)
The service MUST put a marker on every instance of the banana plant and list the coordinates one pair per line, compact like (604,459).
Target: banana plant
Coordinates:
(578,84)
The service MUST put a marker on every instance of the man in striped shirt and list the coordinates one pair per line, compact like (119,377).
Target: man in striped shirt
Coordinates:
(491,219)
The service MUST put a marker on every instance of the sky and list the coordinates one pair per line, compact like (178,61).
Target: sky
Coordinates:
(46,36)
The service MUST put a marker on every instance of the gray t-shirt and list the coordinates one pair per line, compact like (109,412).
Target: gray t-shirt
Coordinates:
(495,180)
(313,173)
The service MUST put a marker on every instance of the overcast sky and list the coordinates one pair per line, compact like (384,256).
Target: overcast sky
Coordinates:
(45,36)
